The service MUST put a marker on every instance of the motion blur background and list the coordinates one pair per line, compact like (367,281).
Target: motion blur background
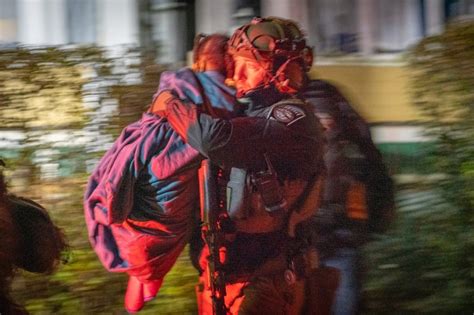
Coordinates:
(73,73)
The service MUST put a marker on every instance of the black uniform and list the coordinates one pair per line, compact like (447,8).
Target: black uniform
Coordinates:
(290,137)
(287,132)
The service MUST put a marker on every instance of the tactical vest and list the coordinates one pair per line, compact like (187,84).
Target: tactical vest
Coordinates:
(245,199)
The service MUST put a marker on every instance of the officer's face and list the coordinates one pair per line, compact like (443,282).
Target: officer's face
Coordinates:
(249,74)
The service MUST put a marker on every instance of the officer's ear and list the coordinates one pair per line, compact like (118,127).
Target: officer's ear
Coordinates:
(308,58)
(292,78)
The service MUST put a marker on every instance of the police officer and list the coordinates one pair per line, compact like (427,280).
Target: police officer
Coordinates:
(358,197)
(281,136)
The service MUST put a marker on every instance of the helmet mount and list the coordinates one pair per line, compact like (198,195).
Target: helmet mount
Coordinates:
(278,42)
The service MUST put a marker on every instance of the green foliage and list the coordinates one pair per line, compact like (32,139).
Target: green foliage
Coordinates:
(443,83)
(82,285)
(425,265)
(406,158)
(41,87)
(79,83)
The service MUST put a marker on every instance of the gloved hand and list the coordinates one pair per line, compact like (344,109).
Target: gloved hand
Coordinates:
(139,292)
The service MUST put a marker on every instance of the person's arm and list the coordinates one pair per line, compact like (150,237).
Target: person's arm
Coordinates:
(205,89)
(240,142)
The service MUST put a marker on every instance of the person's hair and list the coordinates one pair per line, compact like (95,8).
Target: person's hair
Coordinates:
(210,49)
(41,242)
(29,240)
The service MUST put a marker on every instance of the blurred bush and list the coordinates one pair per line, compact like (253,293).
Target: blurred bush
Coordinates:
(425,265)
(443,83)
(60,109)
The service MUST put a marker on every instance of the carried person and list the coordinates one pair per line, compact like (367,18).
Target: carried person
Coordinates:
(142,200)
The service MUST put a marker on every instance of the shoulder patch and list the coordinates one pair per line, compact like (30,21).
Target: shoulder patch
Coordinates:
(287,114)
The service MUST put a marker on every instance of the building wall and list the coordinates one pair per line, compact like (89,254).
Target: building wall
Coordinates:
(117,22)
(213,16)
(379,92)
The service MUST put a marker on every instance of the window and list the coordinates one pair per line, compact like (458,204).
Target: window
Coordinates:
(244,11)
(172,29)
(81,21)
(336,25)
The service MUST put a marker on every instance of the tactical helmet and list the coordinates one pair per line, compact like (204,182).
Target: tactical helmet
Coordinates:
(279,41)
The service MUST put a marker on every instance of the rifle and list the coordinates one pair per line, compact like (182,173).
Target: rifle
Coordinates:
(213,215)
